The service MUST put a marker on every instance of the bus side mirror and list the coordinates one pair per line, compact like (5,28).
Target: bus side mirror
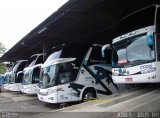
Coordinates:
(103,50)
(149,39)
(19,73)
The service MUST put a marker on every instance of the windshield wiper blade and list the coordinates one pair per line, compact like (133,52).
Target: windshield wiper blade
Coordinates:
(119,65)
(139,61)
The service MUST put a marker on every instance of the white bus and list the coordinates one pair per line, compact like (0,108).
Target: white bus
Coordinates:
(136,51)
(7,77)
(16,75)
(31,74)
(6,81)
(69,75)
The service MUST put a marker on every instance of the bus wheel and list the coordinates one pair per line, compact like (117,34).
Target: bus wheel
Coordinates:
(89,95)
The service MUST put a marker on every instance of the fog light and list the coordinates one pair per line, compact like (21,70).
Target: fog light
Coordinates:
(51,98)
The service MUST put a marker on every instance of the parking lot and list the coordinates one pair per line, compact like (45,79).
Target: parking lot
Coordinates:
(138,100)
(22,104)
(17,102)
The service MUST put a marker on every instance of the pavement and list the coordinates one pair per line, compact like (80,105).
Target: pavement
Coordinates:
(16,102)
(137,103)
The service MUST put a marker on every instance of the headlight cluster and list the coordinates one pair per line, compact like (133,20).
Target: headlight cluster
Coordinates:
(48,92)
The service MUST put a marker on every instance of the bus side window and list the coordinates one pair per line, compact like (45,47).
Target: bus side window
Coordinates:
(115,59)
(36,75)
(108,56)
(20,68)
(96,57)
(39,60)
(158,33)
(66,73)
(158,21)
(158,46)
(19,78)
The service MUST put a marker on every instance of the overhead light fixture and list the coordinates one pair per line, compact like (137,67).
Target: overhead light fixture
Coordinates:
(59,46)
(42,30)
(23,43)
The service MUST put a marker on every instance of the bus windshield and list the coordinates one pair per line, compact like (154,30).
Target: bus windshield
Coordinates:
(12,77)
(48,75)
(27,78)
(57,74)
(16,66)
(53,56)
(132,51)
(31,61)
(6,78)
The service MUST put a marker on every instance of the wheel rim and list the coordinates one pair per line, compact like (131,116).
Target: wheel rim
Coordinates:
(88,96)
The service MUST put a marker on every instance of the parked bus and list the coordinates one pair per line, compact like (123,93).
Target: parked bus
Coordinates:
(15,76)
(70,74)
(31,74)
(7,76)
(2,78)
(136,51)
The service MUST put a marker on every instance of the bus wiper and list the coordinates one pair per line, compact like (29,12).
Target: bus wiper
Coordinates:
(139,61)
(119,65)
(49,85)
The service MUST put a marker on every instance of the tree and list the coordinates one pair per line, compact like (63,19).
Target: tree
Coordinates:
(2,48)
(2,65)
(2,68)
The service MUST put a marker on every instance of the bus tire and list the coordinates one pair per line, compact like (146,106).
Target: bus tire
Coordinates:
(89,94)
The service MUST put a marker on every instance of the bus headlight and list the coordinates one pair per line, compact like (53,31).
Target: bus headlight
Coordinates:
(50,91)
(47,92)
(115,73)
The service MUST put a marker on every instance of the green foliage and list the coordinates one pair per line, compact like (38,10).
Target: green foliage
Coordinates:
(2,68)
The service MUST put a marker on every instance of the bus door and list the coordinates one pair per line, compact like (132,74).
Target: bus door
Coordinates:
(63,82)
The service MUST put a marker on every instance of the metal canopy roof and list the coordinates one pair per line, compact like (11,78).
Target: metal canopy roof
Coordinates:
(76,21)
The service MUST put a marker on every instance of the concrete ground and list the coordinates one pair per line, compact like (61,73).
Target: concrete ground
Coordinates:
(141,102)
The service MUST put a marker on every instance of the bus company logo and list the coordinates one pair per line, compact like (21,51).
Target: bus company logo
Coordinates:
(96,61)
(88,78)
(128,35)
(147,68)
